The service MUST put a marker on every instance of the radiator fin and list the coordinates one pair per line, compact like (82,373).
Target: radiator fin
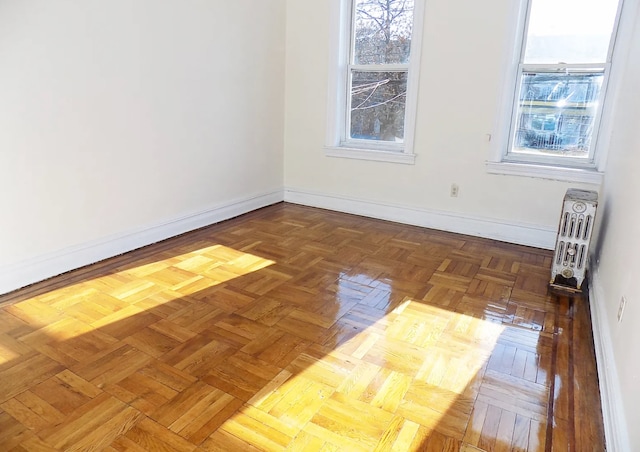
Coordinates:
(579,227)
(565,224)
(582,256)
(587,228)
(559,252)
(572,225)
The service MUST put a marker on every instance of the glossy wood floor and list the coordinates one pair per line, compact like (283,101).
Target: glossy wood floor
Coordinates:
(293,328)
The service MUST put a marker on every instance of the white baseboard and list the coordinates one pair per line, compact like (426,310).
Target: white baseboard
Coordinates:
(520,233)
(41,267)
(615,425)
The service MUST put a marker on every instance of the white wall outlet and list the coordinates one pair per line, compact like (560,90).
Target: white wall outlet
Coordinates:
(623,302)
(454,190)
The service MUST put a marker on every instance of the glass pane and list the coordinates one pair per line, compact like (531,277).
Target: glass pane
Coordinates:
(556,113)
(377,105)
(383,31)
(570,31)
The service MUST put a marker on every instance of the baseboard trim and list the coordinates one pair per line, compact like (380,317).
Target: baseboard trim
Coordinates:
(615,425)
(45,266)
(519,233)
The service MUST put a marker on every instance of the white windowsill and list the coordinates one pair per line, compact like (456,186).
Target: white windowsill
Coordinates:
(370,154)
(582,175)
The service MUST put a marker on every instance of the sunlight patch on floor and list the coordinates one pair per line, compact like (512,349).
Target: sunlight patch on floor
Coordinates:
(420,361)
(71,311)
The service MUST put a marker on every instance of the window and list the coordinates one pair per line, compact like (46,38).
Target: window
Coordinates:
(561,82)
(373,99)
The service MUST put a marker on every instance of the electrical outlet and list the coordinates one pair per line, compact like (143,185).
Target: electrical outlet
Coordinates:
(454,190)
(623,302)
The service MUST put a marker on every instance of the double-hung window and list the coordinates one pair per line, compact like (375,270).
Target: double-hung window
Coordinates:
(374,80)
(561,82)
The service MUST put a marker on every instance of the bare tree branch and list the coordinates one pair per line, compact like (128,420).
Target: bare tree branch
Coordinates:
(388,101)
(375,88)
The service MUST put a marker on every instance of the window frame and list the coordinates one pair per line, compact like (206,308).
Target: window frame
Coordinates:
(587,170)
(338,118)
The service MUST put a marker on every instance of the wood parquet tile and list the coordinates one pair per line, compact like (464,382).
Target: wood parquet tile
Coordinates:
(293,328)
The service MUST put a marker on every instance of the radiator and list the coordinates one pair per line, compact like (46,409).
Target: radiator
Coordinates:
(574,234)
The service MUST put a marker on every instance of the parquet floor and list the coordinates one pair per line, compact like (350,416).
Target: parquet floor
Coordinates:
(293,328)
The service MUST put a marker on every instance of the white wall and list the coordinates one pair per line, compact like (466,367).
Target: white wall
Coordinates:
(618,251)
(460,85)
(120,115)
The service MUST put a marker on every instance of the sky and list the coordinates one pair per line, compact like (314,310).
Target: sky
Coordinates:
(571,17)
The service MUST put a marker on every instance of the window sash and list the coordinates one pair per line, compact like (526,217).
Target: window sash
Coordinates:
(346,138)
(587,161)
(524,31)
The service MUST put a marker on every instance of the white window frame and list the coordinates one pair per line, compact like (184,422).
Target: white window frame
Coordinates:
(589,171)
(337,144)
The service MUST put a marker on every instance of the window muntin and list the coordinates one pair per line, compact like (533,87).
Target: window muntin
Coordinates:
(378,72)
(561,81)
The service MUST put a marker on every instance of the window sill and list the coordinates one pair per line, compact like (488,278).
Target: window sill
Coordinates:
(585,176)
(367,154)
